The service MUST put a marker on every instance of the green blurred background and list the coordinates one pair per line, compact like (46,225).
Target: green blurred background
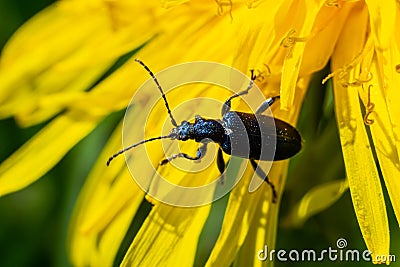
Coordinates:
(34,221)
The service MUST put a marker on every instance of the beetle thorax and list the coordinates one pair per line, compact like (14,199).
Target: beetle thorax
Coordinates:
(199,130)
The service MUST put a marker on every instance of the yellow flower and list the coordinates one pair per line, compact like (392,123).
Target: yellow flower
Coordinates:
(50,68)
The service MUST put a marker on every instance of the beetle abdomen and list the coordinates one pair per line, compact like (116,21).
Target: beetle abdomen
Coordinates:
(259,137)
(288,140)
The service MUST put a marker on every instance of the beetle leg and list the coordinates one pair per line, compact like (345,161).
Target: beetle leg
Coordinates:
(266,104)
(200,154)
(221,165)
(227,105)
(263,176)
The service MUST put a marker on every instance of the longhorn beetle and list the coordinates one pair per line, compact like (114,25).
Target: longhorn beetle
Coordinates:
(228,133)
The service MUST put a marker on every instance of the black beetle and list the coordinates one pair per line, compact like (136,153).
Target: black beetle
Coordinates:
(239,134)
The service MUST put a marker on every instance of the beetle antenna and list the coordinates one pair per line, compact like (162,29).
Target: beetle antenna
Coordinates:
(159,88)
(135,145)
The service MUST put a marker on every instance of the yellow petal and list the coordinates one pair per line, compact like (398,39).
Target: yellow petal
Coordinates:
(365,187)
(57,138)
(40,66)
(326,30)
(172,3)
(362,174)
(392,92)
(169,233)
(263,229)
(383,17)
(317,199)
(302,25)
(256,237)
(233,235)
(23,58)
(31,108)
(385,22)
(104,212)
(43,151)
(259,37)
(384,141)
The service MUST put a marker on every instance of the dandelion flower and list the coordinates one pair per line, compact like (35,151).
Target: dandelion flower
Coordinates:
(50,71)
